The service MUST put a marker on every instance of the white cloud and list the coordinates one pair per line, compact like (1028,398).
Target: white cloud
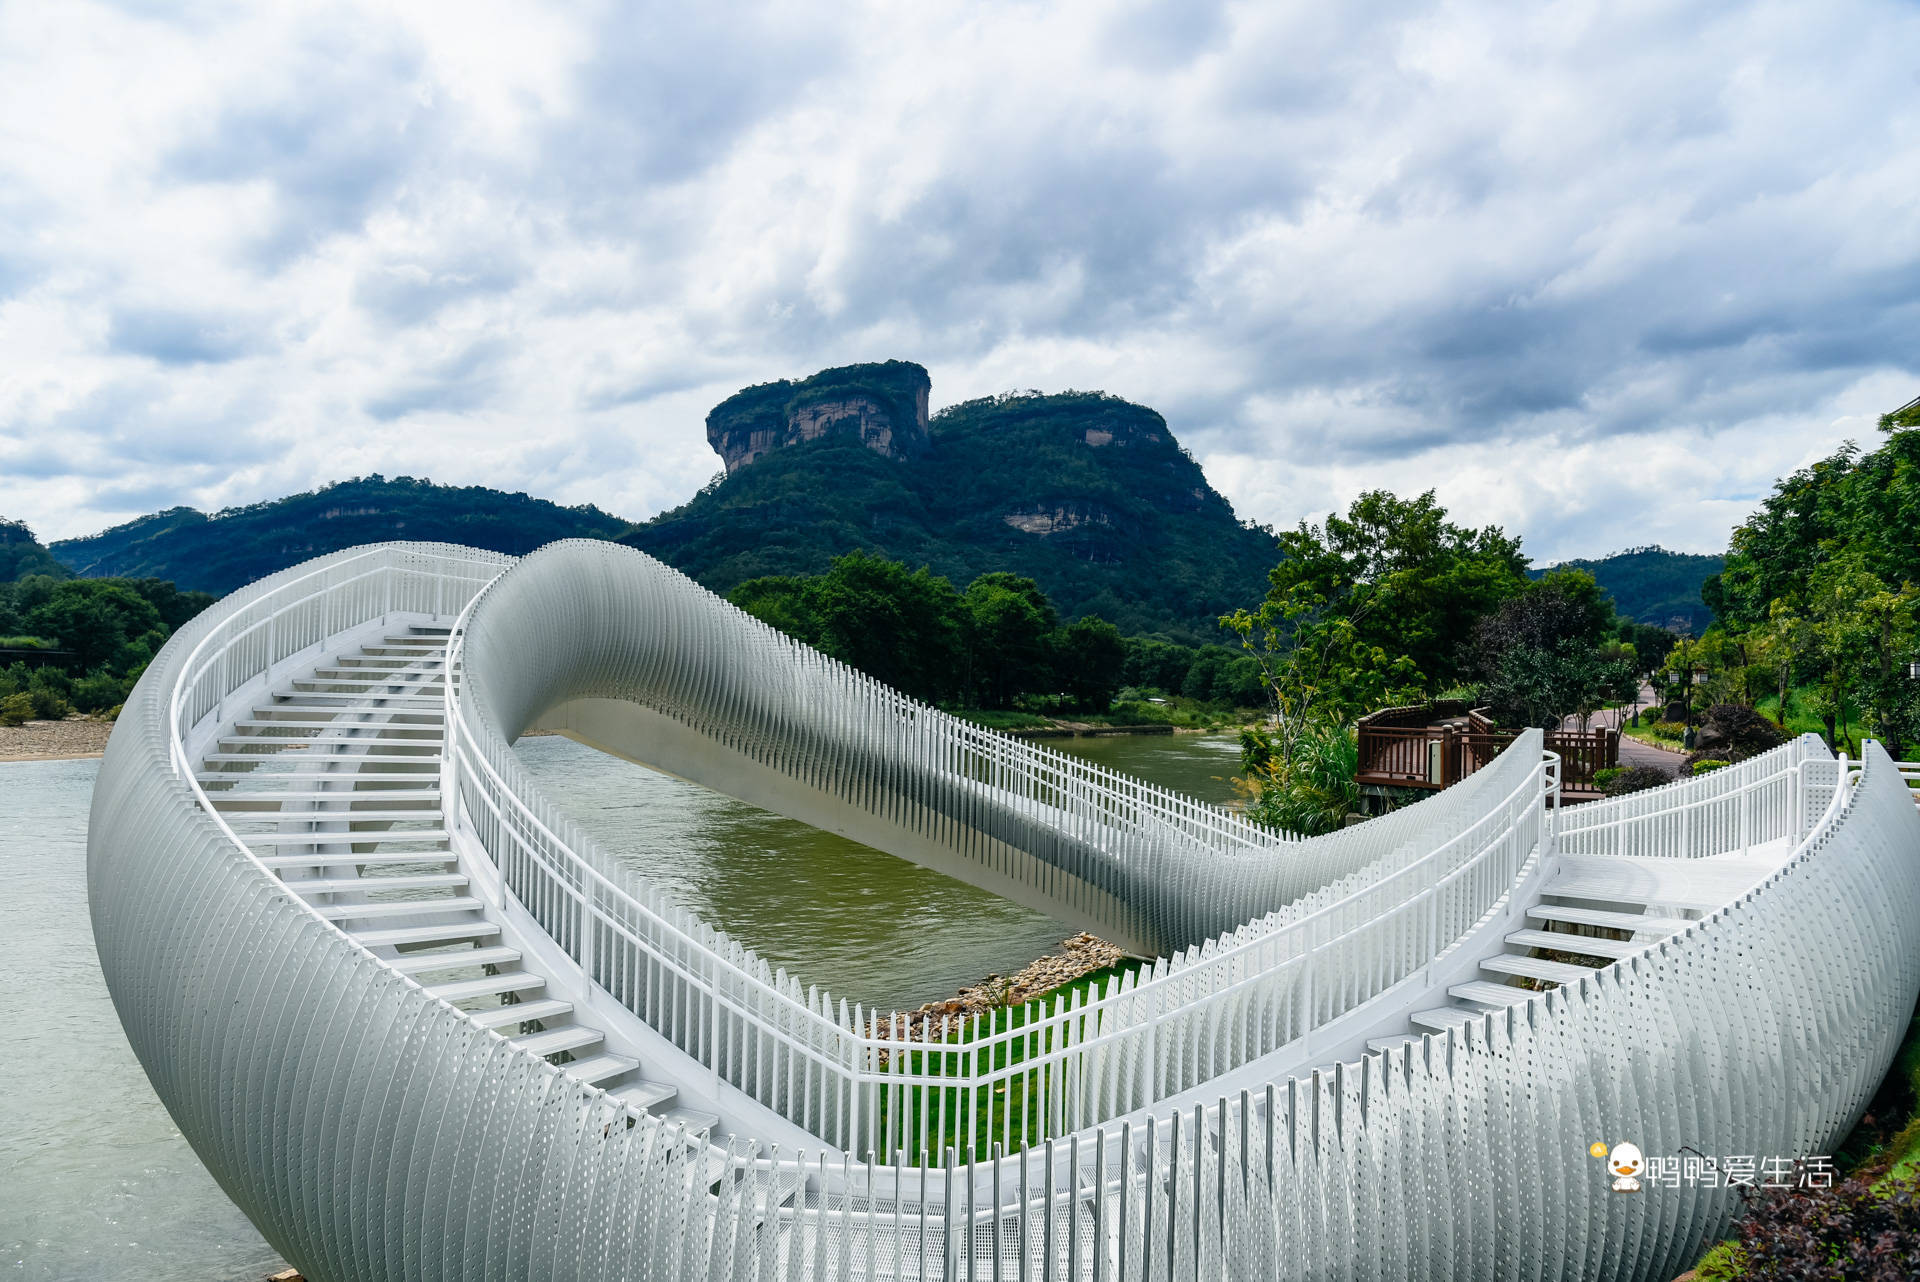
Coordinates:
(1599,273)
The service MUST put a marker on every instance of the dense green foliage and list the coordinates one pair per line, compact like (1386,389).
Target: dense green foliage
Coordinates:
(998,645)
(1368,610)
(96,635)
(233,548)
(1390,604)
(1653,586)
(1552,649)
(1819,595)
(1303,783)
(1123,522)
(21,554)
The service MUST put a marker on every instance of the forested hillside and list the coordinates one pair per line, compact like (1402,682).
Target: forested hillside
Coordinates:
(1086,494)
(1654,586)
(229,549)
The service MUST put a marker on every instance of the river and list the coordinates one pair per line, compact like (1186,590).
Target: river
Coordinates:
(97,1184)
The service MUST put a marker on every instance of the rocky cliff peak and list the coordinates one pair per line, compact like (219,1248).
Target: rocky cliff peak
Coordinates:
(883,406)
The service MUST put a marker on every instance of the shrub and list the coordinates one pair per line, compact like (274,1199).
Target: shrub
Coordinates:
(1636,779)
(1306,788)
(48,704)
(1854,1231)
(1735,732)
(1709,765)
(99,690)
(1606,775)
(15,709)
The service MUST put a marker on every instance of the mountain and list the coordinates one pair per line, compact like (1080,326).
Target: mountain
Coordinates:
(1089,495)
(232,548)
(21,554)
(1653,585)
(884,406)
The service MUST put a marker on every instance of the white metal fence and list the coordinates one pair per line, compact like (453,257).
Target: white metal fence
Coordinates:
(1777,795)
(372,1131)
(865,1081)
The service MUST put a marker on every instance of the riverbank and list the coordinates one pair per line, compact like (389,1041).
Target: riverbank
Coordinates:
(1079,956)
(73,739)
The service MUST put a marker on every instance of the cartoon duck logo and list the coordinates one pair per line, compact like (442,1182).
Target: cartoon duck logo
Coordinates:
(1626,1162)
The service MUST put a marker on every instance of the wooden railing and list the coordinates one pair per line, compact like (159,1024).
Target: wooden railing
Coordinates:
(1405,747)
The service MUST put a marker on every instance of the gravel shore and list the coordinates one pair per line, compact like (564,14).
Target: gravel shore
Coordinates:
(54,740)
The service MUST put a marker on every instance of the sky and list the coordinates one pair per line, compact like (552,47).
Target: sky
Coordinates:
(1597,273)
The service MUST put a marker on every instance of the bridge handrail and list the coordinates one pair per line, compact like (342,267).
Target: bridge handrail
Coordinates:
(722,1004)
(1777,794)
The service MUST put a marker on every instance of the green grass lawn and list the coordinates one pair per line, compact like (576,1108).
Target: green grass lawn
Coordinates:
(1012,1111)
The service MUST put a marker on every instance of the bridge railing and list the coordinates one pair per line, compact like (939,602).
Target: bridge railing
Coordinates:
(867,1081)
(335,596)
(1778,794)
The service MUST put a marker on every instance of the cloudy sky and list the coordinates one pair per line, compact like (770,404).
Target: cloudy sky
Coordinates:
(1598,272)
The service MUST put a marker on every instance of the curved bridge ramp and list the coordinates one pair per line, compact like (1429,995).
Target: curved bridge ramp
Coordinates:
(1266,1103)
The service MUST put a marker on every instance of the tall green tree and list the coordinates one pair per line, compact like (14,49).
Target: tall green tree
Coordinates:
(1010,624)
(903,627)
(1089,658)
(103,622)
(1369,608)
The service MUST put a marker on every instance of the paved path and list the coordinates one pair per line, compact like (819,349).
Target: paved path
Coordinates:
(1632,751)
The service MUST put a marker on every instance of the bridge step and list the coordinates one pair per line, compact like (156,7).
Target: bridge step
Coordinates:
(398,935)
(274,723)
(341,838)
(498,1017)
(1540,968)
(1585,945)
(426,963)
(399,908)
(317,860)
(647,1096)
(298,743)
(331,816)
(555,1040)
(601,1068)
(1441,1018)
(1489,994)
(487,985)
(1389,1043)
(697,1125)
(1608,920)
(326,700)
(235,797)
(298,776)
(346,885)
(303,753)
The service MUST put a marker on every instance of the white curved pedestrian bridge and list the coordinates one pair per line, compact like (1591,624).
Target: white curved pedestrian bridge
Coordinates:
(419,1026)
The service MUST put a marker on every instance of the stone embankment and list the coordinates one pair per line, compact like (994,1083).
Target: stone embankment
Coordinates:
(54,740)
(1079,955)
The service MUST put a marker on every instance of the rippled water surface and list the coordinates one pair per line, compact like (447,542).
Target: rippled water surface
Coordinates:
(97,1184)
(866,926)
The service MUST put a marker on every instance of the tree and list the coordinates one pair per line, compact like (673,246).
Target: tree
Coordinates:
(901,627)
(1009,624)
(1366,610)
(102,621)
(1089,658)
